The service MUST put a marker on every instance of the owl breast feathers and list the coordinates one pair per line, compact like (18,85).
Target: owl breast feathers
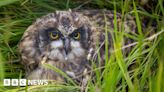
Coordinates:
(69,41)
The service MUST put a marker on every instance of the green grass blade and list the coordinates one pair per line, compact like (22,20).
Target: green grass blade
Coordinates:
(60,72)
(7,2)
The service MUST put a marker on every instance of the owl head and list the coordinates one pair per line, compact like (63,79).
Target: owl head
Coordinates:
(63,36)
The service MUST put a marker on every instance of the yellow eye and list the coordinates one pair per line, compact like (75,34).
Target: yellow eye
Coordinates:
(54,35)
(76,36)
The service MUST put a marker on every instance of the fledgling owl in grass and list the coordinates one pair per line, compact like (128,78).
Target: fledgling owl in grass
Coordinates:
(68,40)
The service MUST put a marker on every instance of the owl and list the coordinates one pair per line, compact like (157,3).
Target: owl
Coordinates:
(70,41)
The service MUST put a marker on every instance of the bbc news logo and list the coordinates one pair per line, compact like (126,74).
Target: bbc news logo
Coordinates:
(23,82)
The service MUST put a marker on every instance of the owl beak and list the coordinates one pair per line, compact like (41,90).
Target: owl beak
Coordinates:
(67,46)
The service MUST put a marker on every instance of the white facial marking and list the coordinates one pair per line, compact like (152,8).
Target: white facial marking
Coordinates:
(78,52)
(56,44)
(75,44)
(56,54)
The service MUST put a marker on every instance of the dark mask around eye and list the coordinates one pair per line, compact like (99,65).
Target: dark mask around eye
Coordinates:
(54,34)
(81,34)
(77,34)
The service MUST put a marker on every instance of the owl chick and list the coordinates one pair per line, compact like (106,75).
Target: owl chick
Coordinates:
(67,40)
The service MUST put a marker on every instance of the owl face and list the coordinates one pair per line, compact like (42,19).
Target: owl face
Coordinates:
(64,47)
(63,38)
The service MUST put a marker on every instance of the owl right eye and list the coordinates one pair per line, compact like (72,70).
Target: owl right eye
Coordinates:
(54,35)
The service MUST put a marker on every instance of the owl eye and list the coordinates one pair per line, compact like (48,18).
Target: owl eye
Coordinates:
(77,36)
(54,35)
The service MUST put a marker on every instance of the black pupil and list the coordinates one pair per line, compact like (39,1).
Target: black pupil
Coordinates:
(76,35)
(54,34)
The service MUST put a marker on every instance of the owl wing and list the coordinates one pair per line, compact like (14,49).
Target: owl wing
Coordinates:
(29,50)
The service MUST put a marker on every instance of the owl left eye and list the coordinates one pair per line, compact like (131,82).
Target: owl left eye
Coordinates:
(54,35)
(77,36)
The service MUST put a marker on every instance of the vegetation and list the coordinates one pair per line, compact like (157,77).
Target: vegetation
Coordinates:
(147,52)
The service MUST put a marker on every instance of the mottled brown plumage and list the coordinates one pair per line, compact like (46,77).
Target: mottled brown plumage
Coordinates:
(78,34)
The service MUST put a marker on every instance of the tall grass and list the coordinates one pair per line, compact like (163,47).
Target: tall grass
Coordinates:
(140,70)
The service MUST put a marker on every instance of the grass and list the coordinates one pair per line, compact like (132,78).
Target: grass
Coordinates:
(146,54)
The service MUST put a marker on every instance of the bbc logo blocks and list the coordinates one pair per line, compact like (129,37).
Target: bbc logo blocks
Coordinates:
(22,82)
(14,82)
(6,82)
